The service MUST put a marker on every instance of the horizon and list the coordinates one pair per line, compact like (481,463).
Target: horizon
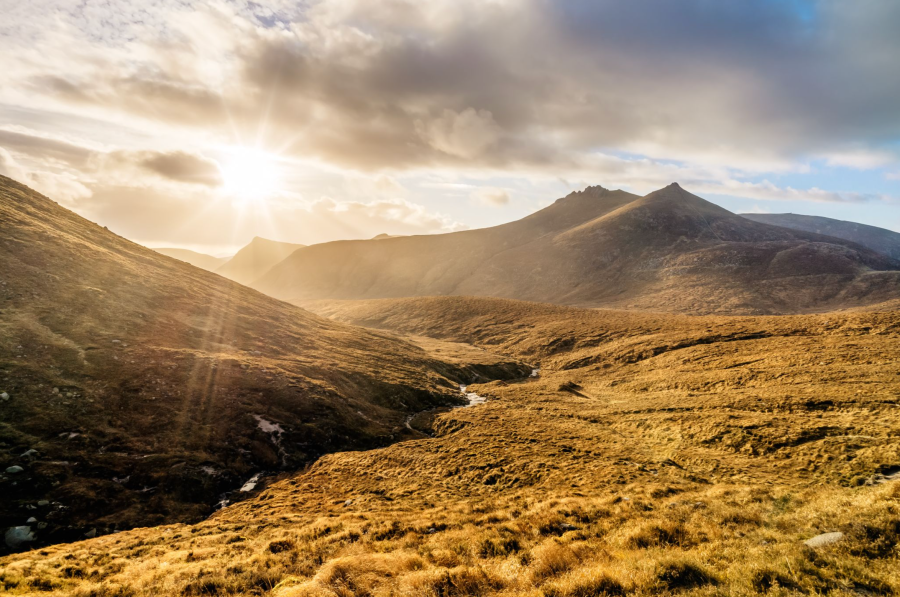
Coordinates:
(290,241)
(343,120)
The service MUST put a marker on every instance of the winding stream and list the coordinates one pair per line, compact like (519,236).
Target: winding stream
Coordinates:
(274,430)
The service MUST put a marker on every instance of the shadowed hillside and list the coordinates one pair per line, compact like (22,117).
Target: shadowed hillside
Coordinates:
(255,259)
(668,251)
(135,388)
(871,237)
(201,260)
(653,454)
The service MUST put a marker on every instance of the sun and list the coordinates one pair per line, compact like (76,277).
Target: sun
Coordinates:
(250,175)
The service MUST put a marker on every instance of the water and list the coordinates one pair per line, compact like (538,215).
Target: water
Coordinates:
(473,398)
(251,483)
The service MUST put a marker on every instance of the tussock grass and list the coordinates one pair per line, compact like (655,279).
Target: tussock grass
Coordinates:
(684,471)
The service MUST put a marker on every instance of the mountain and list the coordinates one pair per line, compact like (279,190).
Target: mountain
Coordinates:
(201,260)
(255,259)
(135,389)
(667,251)
(878,239)
(653,454)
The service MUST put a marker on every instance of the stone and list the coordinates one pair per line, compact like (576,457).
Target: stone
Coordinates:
(824,540)
(15,469)
(18,536)
(4,396)
(31,520)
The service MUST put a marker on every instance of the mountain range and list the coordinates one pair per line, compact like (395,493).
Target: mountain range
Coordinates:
(667,251)
(201,260)
(877,239)
(255,259)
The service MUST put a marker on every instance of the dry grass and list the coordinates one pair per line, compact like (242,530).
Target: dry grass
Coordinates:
(694,456)
(140,381)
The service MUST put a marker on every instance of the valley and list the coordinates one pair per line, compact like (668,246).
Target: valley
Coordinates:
(652,453)
(138,389)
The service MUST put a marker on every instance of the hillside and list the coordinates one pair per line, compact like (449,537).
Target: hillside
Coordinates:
(653,454)
(255,259)
(136,389)
(667,251)
(201,260)
(877,239)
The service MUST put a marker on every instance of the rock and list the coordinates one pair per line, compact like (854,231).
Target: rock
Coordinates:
(824,539)
(44,503)
(4,396)
(91,534)
(31,520)
(12,470)
(30,454)
(17,536)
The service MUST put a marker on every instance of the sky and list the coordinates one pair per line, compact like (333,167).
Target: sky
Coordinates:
(203,124)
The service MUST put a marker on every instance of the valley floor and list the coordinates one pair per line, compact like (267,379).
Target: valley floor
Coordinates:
(653,454)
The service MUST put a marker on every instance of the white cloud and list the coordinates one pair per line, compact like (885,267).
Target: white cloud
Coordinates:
(62,187)
(861,159)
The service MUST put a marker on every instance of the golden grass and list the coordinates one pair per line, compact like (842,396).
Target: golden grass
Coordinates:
(688,456)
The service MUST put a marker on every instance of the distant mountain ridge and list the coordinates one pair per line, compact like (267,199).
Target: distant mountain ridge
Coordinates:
(667,251)
(878,239)
(256,259)
(201,260)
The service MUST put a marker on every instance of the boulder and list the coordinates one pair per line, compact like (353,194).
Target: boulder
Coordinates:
(18,536)
(824,539)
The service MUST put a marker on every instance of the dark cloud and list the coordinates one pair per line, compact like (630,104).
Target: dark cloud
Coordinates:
(181,166)
(535,83)
(55,149)
(178,166)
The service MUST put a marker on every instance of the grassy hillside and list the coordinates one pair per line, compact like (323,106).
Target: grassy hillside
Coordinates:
(653,454)
(136,388)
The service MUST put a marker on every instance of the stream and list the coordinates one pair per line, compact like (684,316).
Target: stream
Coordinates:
(473,398)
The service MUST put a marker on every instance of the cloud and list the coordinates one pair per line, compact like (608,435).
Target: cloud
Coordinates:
(37,144)
(58,186)
(207,220)
(768,191)
(513,84)
(491,196)
(861,159)
(715,95)
(122,165)
(467,134)
(182,166)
